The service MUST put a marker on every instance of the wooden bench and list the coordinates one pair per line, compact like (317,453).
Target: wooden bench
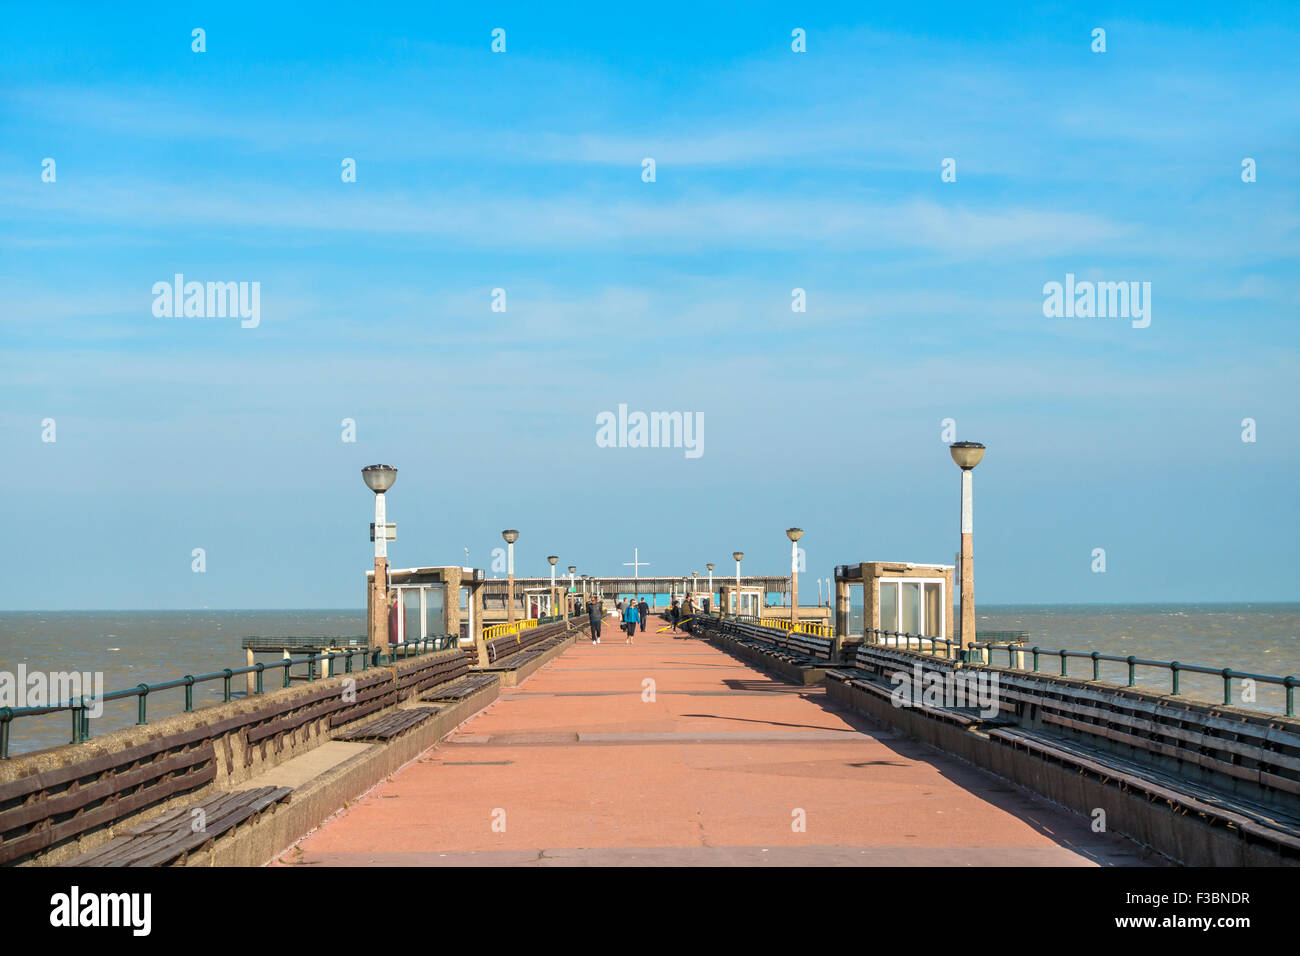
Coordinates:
(390,725)
(44,809)
(460,689)
(173,836)
(1263,821)
(1228,766)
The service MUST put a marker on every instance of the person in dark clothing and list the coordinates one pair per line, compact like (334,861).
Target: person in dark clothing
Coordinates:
(674,613)
(644,610)
(687,613)
(594,612)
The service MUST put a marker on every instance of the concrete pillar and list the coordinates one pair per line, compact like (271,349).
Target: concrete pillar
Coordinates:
(451,582)
(870,600)
(476,624)
(250,679)
(841,608)
(377,605)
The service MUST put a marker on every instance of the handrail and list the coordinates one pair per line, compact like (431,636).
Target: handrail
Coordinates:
(1017,653)
(800,627)
(80,707)
(1175,668)
(501,630)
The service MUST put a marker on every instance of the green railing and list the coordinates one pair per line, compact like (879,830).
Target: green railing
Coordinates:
(1017,653)
(1175,668)
(80,708)
(903,639)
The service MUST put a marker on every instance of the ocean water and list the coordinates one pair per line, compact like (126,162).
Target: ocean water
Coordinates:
(133,647)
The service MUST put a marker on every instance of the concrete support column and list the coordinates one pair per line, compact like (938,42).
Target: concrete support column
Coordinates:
(870,600)
(476,624)
(377,605)
(451,582)
(250,679)
(841,608)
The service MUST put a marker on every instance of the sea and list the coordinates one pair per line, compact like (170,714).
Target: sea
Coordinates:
(127,648)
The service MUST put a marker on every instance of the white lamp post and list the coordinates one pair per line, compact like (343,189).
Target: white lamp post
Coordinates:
(511,537)
(967,454)
(379,478)
(553,558)
(738,555)
(794,534)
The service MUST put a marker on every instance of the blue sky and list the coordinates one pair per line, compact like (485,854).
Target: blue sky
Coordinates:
(775,170)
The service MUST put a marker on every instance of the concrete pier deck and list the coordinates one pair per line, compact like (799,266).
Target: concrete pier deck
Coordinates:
(582,765)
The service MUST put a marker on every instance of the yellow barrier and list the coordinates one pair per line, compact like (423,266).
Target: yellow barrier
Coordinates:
(501,630)
(803,627)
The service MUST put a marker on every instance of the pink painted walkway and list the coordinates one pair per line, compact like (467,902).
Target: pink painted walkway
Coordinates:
(583,765)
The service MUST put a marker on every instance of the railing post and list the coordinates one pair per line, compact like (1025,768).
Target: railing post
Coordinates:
(141,705)
(260,667)
(1096,665)
(1132,671)
(1289,684)
(1035,649)
(1174,666)
(189,693)
(6,715)
(1065,663)
(1227,685)
(226,682)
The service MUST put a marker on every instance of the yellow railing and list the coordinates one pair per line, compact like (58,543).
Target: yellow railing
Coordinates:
(501,630)
(803,627)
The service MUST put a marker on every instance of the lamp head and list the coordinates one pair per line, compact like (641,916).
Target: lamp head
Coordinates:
(794,534)
(553,558)
(738,555)
(379,478)
(709,567)
(967,454)
(572,568)
(510,535)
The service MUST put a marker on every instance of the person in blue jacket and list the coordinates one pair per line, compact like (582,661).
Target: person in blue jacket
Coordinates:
(631,617)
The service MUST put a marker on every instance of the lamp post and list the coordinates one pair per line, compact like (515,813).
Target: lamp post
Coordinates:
(379,478)
(794,534)
(568,600)
(738,555)
(511,537)
(555,597)
(967,454)
(709,567)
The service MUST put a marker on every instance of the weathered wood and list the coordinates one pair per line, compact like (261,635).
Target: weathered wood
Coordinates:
(106,786)
(41,839)
(390,725)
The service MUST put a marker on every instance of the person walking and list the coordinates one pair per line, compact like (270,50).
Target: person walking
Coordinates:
(643,609)
(687,613)
(630,618)
(594,613)
(674,613)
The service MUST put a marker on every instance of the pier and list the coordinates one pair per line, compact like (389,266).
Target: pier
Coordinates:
(672,752)
(479,720)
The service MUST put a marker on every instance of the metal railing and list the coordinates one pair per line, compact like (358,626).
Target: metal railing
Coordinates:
(1176,669)
(80,707)
(951,646)
(501,630)
(799,627)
